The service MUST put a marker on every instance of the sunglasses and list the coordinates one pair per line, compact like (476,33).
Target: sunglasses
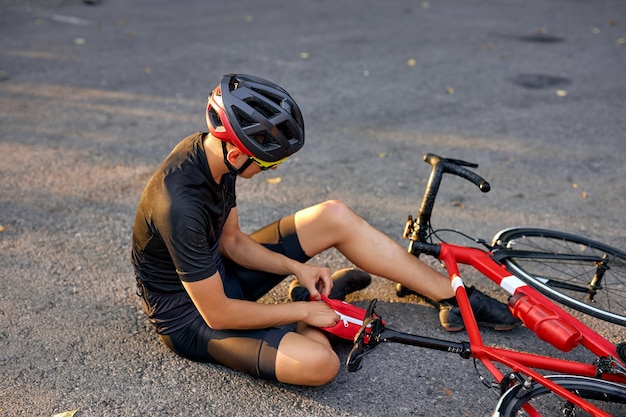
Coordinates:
(266,165)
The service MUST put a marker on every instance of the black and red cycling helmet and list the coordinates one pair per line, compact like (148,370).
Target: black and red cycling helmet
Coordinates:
(257,116)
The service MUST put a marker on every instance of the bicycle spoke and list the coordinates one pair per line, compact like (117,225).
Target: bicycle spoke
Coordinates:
(563,267)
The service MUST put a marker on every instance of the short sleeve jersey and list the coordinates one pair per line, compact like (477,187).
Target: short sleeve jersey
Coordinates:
(179,220)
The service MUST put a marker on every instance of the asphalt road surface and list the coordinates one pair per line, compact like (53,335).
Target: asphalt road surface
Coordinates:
(92,97)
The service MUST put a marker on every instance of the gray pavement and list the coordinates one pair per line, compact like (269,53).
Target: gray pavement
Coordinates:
(93,97)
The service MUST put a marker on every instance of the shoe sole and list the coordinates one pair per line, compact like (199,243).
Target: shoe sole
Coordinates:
(357,285)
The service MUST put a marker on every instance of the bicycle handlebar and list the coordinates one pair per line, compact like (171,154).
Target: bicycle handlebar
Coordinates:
(457,167)
(444,166)
(430,249)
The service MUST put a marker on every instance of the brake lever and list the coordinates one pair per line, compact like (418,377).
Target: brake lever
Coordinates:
(433,159)
(462,162)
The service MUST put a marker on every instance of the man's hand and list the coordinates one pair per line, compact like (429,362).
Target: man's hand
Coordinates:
(319,314)
(316,279)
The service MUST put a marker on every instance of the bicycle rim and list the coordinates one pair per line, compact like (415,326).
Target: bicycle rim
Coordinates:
(608,396)
(557,278)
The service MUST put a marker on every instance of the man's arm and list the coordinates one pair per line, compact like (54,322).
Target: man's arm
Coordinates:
(221,312)
(245,251)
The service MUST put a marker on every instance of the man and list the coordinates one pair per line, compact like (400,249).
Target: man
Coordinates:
(199,275)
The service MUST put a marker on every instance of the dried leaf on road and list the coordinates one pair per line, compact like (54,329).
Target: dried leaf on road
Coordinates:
(66,414)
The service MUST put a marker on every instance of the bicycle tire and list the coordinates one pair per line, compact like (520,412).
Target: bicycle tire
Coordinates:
(550,276)
(605,395)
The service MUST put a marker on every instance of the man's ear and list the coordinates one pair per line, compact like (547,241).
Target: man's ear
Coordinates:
(233,155)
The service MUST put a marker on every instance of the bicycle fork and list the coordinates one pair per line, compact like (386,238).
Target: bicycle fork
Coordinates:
(596,282)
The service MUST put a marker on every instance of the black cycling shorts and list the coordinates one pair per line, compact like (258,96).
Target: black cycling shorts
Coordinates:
(250,351)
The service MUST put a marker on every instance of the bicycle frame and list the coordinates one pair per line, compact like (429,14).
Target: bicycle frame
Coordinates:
(524,363)
(565,333)
(520,363)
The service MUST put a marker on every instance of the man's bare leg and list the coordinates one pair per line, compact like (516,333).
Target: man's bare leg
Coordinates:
(306,358)
(333,224)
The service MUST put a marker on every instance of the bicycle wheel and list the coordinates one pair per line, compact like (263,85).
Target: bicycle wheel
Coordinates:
(608,396)
(562,266)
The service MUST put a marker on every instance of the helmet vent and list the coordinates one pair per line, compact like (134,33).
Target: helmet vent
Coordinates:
(266,140)
(268,95)
(286,130)
(264,108)
(243,119)
(215,118)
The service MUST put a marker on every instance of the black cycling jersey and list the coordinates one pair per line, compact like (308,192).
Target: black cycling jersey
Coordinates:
(176,236)
(177,229)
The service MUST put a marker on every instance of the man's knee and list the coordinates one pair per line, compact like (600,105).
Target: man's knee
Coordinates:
(336,212)
(322,367)
(302,361)
(335,207)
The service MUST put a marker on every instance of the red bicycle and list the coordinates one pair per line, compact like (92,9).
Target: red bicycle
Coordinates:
(531,265)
